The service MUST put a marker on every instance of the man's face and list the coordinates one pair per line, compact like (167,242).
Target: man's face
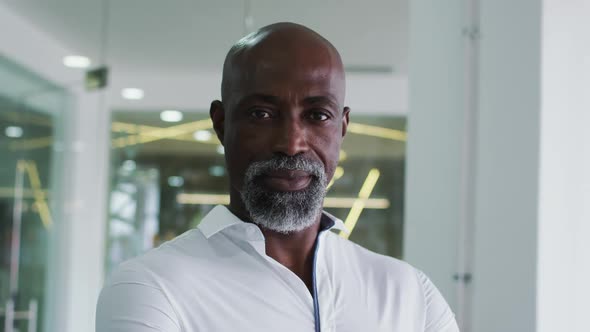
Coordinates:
(284,123)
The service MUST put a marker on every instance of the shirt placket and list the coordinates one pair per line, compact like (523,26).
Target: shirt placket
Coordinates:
(255,238)
(322,301)
(323,287)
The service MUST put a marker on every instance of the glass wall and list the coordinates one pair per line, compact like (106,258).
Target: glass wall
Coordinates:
(29,107)
(167,176)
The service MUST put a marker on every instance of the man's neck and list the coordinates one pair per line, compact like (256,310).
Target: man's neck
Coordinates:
(295,251)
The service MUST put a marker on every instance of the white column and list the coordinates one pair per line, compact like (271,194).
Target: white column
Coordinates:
(88,207)
(78,242)
(506,219)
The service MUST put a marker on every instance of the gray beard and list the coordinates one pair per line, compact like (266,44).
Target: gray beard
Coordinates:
(284,212)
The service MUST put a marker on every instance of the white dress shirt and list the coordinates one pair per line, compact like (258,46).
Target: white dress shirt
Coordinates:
(218,278)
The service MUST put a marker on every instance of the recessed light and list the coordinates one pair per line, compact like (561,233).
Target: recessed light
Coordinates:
(132,93)
(217,170)
(76,61)
(220,149)
(202,135)
(13,132)
(175,181)
(171,116)
(129,165)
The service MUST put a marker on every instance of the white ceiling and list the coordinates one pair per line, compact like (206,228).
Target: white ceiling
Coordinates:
(177,41)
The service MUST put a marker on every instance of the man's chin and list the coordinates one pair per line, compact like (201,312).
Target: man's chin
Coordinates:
(284,230)
(285,212)
(285,223)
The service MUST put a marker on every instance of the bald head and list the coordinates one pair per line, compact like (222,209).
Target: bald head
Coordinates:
(273,48)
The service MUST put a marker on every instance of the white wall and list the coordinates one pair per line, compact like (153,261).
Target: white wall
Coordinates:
(531,203)
(564,195)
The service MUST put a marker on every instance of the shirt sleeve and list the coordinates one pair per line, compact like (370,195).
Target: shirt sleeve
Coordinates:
(439,317)
(131,302)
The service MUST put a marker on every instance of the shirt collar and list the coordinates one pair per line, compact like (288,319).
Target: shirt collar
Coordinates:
(221,218)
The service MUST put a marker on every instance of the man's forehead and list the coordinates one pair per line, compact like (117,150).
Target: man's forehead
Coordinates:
(291,72)
(288,73)
(284,58)
(294,85)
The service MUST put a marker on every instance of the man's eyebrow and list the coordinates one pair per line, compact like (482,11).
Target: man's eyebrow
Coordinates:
(274,100)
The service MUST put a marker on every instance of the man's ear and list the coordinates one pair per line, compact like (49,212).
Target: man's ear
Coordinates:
(345,120)
(217,114)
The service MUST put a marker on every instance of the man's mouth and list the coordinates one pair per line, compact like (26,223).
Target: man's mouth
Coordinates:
(287,180)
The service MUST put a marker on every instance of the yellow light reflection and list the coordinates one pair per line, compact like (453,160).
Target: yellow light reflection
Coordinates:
(9,192)
(146,136)
(212,199)
(360,203)
(329,202)
(143,130)
(31,143)
(338,173)
(140,134)
(30,168)
(375,131)
(342,156)
(130,128)
(347,202)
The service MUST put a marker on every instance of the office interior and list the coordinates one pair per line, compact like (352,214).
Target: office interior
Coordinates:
(467,154)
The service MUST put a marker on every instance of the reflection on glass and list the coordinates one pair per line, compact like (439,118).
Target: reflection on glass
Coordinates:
(167,176)
(28,106)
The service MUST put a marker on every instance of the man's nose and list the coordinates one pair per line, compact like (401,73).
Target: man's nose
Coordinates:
(290,138)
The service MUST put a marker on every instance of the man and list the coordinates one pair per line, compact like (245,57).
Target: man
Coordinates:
(268,261)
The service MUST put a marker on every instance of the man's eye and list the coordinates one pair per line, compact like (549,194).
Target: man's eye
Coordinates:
(260,114)
(318,116)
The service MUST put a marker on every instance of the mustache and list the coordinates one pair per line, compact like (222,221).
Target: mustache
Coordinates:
(283,162)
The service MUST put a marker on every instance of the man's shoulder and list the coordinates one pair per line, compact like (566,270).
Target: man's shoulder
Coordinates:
(156,262)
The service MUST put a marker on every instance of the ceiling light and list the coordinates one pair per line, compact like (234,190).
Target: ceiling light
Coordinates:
(171,116)
(76,61)
(132,93)
(13,132)
(202,135)
(220,149)
(217,170)
(175,181)
(129,165)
